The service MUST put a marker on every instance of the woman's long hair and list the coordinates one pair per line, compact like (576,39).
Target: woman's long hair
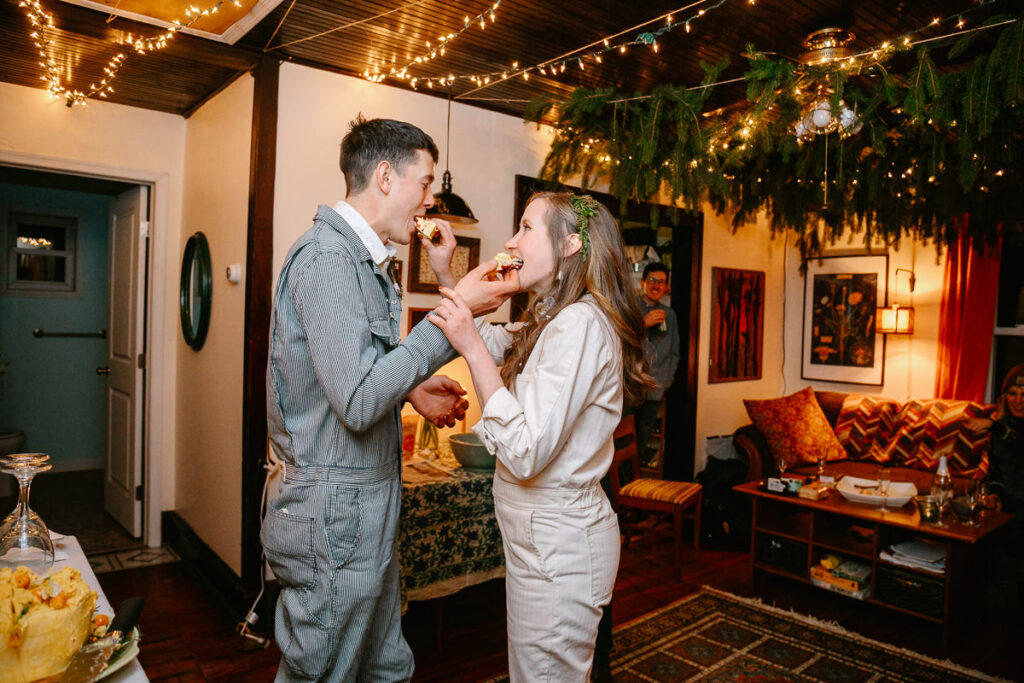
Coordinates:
(605,273)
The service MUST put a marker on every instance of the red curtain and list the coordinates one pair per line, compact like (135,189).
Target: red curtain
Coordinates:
(967,318)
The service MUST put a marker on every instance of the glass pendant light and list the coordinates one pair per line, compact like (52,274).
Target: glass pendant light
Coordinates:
(448,205)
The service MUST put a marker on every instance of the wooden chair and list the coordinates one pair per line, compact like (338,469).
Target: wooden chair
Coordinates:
(676,498)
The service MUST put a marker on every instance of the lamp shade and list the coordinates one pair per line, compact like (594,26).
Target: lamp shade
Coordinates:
(895,319)
(450,206)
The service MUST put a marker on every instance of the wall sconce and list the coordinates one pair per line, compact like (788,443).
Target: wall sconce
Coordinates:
(896,319)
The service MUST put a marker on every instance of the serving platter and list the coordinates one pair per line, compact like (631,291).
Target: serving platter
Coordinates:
(866,491)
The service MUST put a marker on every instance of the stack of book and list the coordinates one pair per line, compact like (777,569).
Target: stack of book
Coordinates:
(918,553)
(845,576)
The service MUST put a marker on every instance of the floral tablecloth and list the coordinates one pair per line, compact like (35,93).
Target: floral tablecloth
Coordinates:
(448,536)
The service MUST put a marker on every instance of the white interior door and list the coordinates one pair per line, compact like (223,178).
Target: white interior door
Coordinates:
(122,480)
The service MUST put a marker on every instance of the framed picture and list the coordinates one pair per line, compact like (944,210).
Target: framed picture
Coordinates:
(415,316)
(840,344)
(737,325)
(421,275)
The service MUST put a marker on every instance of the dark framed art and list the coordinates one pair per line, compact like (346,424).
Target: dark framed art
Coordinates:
(840,343)
(415,316)
(737,325)
(421,275)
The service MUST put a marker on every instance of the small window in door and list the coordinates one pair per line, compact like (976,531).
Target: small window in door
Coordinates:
(40,255)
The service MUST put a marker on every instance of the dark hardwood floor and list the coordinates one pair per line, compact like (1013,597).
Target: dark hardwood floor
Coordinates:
(188,636)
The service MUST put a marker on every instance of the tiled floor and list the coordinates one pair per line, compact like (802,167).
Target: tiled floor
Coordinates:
(131,559)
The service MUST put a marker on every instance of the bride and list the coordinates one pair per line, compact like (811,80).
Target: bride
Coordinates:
(548,416)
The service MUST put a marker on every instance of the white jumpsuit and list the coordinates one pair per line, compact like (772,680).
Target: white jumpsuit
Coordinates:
(552,435)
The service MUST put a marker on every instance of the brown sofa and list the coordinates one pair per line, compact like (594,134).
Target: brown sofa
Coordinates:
(749,443)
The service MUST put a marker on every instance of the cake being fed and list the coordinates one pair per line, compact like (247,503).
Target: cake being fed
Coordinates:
(507,262)
(426,227)
(43,622)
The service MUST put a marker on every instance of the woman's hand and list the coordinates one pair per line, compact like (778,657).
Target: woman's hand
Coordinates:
(455,319)
(481,292)
(440,255)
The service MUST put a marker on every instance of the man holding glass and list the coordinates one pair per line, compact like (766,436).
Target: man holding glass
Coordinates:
(663,350)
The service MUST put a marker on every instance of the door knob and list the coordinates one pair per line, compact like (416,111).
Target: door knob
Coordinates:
(102,371)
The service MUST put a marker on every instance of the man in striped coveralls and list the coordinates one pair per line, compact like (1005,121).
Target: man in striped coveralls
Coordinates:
(337,377)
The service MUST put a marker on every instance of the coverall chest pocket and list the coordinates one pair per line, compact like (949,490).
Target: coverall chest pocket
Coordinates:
(381,329)
(342,524)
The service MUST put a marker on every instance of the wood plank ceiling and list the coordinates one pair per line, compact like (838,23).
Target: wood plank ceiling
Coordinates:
(378,33)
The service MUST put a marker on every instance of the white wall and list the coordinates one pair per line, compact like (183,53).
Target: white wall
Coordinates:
(129,143)
(720,406)
(487,151)
(210,381)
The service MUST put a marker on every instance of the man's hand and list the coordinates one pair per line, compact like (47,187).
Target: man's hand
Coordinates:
(440,255)
(482,293)
(655,317)
(440,400)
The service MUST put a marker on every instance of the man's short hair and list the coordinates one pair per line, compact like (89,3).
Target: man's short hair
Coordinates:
(370,142)
(655,267)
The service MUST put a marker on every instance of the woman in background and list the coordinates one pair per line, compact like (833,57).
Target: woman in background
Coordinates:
(548,416)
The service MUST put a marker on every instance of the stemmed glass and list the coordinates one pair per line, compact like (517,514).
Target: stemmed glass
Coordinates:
(25,541)
(975,494)
(782,467)
(884,475)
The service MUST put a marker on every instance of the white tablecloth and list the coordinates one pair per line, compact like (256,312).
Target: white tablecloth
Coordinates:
(131,672)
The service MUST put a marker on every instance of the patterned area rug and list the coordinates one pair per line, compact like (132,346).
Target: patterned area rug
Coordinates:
(716,636)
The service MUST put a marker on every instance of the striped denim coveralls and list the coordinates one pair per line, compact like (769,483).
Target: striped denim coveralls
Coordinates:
(336,380)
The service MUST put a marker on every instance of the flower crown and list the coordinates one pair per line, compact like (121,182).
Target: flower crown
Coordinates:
(585,208)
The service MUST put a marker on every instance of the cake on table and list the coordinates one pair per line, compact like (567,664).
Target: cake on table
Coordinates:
(43,622)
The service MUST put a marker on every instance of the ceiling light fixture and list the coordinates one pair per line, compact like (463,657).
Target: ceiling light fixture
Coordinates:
(448,205)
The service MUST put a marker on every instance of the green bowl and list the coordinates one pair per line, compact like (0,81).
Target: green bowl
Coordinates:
(470,453)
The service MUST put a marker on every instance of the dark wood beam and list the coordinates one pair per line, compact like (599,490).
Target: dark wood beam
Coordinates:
(258,275)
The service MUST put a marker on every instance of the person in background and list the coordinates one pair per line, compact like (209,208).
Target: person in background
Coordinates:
(1006,454)
(337,376)
(548,416)
(663,346)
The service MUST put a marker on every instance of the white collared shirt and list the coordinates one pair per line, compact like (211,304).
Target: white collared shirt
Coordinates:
(380,253)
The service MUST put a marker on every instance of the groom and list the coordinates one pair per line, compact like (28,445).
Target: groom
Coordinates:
(336,380)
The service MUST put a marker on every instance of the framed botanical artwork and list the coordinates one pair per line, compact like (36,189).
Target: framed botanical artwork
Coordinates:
(421,275)
(840,343)
(737,325)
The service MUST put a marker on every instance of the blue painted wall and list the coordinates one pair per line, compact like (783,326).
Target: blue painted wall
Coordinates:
(50,389)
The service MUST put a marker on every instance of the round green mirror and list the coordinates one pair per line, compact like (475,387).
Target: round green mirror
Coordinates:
(196,290)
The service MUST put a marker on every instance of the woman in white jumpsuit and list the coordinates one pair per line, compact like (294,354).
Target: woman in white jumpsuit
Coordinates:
(548,416)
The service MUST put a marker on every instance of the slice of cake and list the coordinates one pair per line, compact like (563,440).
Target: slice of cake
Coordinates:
(43,622)
(507,262)
(426,227)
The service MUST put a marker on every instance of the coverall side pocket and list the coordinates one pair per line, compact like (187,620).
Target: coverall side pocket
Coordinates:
(343,524)
(288,543)
(603,547)
(302,625)
(516,526)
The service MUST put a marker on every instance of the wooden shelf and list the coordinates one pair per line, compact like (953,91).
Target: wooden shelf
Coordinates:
(834,525)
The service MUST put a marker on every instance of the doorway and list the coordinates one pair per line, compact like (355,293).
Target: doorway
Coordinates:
(73,302)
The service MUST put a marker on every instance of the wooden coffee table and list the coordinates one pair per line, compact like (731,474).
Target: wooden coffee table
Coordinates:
(790,534)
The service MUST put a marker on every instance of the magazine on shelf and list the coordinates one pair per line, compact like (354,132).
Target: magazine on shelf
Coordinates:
(917,553)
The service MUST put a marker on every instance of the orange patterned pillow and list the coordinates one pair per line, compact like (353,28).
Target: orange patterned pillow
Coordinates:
(795,428)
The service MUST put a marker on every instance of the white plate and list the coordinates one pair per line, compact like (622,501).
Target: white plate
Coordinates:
(866,491)
(127,653)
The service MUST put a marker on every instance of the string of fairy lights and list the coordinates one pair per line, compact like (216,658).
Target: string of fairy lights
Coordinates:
(591,53)
(42,21)
(433,51)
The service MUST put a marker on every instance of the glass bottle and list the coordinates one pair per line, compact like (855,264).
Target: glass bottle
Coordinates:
(942,483)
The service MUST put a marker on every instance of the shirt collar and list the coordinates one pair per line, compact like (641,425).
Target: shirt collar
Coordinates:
(380,253)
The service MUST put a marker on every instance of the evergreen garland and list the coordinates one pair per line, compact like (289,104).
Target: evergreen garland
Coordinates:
(936,144)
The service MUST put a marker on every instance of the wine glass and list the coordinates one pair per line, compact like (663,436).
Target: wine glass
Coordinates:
(26,542)
(16,460)
(821,466)
(974,493)
(782,467)
(884,477)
